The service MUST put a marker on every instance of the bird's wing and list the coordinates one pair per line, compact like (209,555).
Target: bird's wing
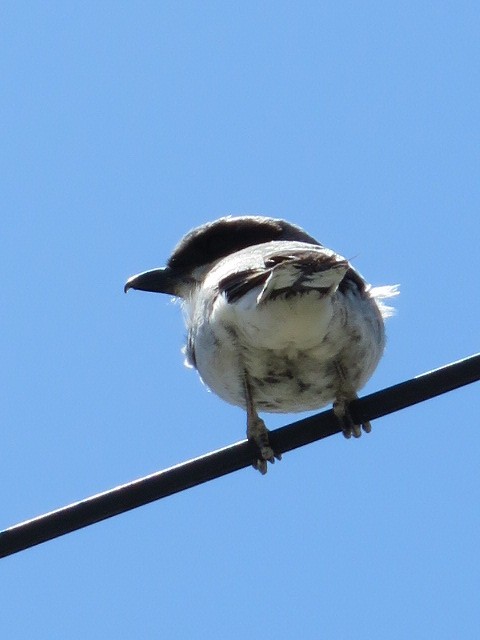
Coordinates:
(287,273)
(235,285)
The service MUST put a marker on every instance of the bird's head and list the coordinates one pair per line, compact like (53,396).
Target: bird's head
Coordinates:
(202,247)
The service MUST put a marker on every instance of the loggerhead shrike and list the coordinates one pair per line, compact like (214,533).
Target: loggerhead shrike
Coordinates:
(276,322)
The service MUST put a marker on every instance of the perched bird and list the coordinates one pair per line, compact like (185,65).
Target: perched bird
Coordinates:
(276,322)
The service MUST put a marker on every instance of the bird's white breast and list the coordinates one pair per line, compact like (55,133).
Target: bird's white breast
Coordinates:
(289,348)
(290,344)
(298,322)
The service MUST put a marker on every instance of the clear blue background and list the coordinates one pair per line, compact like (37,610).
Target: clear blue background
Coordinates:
(124,124)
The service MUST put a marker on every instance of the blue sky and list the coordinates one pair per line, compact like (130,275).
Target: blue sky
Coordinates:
(123,126)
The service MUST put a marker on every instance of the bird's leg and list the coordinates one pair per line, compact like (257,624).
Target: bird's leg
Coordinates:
(258,432)
(342,412)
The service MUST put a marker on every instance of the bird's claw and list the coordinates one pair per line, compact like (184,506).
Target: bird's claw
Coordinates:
(268,455)
(258,432)
(349,428)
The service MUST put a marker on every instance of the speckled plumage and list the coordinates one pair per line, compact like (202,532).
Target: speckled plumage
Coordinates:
(275,321)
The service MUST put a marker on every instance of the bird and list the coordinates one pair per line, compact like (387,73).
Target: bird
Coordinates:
(276,322)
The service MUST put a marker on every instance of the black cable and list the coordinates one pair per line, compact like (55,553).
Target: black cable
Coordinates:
(236,456)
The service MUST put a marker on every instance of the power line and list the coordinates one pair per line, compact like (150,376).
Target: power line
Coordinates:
(232,458)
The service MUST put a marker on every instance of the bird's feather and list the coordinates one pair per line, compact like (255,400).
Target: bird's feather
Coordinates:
(287,273)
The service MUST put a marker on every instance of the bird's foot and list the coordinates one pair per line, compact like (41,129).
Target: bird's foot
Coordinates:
(349,428)
(258,432)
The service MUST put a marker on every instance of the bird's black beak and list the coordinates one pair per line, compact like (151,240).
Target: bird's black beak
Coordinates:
(157,280)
